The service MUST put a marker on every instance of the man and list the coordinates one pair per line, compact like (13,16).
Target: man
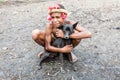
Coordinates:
(57,17)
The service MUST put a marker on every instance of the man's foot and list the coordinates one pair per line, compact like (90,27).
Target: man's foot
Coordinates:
(74,58)
(40,54)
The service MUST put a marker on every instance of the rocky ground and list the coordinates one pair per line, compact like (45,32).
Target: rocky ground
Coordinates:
(98,57)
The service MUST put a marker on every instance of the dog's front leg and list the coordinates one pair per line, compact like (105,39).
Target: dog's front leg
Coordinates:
(61,60)
(61,57)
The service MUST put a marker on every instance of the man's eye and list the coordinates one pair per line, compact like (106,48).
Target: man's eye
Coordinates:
(57,17)
(52,17)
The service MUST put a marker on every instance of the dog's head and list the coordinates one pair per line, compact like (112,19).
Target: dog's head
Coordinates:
(68,29)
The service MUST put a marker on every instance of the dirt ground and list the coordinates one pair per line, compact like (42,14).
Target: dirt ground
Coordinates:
(98,57)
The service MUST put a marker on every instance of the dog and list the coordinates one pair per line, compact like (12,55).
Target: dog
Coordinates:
(61,42)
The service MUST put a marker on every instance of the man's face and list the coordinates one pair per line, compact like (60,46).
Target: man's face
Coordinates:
(57,20)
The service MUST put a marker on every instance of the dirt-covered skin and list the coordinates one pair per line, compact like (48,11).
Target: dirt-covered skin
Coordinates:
(98,57)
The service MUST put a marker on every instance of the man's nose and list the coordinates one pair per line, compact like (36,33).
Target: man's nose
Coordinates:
(55,19)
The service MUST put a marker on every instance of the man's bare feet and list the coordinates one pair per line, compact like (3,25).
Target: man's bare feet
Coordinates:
(40,54)
(74,58)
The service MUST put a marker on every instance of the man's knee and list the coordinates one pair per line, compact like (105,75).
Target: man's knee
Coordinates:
(36,34)
(76,42)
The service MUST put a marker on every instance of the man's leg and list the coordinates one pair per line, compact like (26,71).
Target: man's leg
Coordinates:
(75,43)
(38,36)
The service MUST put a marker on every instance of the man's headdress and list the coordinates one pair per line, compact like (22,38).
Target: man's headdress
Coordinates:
(57,8)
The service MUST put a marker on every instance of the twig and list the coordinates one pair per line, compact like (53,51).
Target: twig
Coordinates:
(54,74)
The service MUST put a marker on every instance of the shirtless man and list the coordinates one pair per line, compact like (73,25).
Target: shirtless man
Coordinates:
(57,16)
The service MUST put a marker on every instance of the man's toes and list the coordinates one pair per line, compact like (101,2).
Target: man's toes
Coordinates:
(40,54)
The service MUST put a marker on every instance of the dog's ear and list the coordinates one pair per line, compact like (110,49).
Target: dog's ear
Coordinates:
(74,25)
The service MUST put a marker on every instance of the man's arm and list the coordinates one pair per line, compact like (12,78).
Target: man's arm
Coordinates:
(48,39)
(81,33)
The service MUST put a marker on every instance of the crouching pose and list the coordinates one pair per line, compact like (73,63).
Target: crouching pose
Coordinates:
(57,17)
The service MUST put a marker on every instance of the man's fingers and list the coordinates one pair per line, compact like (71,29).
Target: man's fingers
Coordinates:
(70,45)
(57,30)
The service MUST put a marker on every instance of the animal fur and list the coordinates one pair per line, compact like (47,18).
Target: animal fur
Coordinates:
(61,42)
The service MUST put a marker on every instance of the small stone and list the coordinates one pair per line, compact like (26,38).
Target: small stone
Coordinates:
(118,28)
(59,63)
(15,12)
(48,73)
(72,78)
(102,67)
(20,68)
(5,48)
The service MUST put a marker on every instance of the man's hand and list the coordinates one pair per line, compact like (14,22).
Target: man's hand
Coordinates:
(67,49)
(59,33)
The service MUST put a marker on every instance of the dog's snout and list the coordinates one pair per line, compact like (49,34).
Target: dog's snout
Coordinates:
(66,37)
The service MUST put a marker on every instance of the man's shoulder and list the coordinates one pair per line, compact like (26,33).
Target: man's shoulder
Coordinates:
(49,25)
(69,21)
